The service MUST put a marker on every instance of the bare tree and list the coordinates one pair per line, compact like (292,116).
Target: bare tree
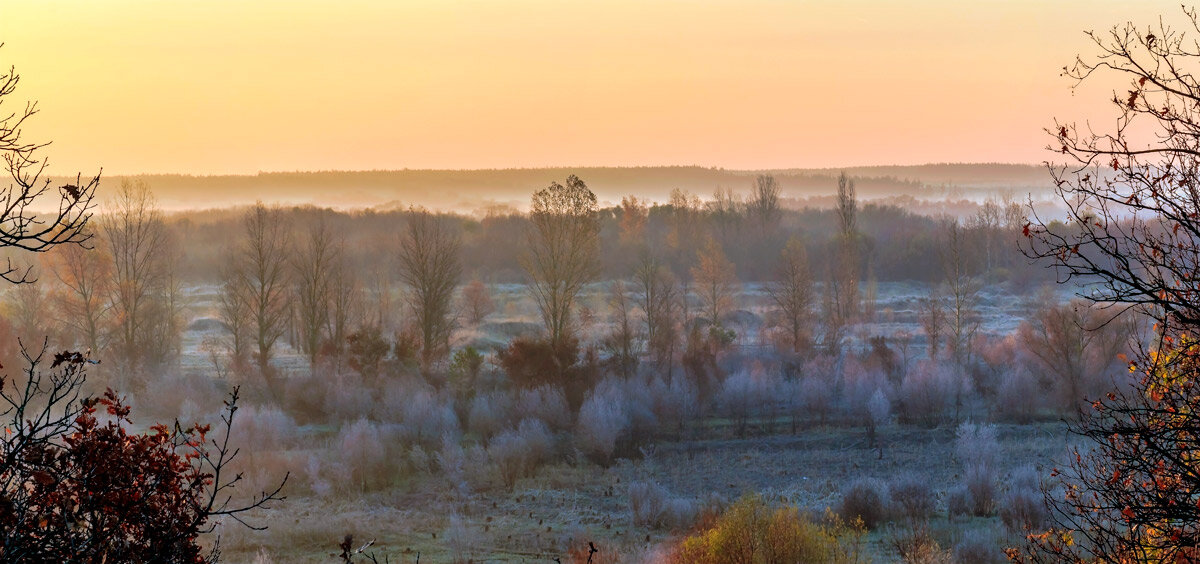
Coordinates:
(430,266)
(1078,348)
(657,296)
(792,291)
(478,301)
(234,309)
(963,315)
(562,248)
(313,267)
(21,227)
(262,271)
(845,271)
(932,316)
(136,236)
(622,341)
(764,204)
(716,281)
(82,303)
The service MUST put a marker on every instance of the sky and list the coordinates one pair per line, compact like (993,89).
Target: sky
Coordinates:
(236,87)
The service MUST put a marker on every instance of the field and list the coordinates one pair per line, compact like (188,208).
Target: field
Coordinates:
(572,500)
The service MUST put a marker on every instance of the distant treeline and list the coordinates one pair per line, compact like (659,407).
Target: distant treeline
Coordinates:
(898,244)
(477,190)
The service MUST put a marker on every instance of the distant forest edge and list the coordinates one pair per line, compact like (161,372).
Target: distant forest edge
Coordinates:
(475,191)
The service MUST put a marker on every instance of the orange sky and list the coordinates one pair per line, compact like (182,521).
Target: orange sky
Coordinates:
(237,87)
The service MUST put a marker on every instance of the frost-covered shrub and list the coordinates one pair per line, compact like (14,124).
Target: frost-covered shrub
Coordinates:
(1017,396)
(424,415)
(363,455)
(418,459)
(817,396)
(517,453)
(744,392)
(979,547)
(675,402)
(602,421)
(1023,506)
(976,444)
(927,394)
(261,428)
(490,414)
(461,539)
(980,482)
(912,498)
(651,505)
(547,403)
(865,499)
(613,411)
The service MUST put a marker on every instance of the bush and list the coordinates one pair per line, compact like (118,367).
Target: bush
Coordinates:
(531,362)
(518,453)
(978,547)
(865,499)
(921,548)
(601,422)
(980,483)
(651,505)
(363,455)
(547,403)
(913,498)
(1023,507)
(927,394)
(490,414)
(750,531)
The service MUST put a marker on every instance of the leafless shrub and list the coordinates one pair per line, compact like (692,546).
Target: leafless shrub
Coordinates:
(418,459)
(913,498)
(1022,507)
(517,453)
(978,547)
(547,403)
(651,505)
(927,394)
(675,402)
(602,421)
(1017,396)
(865,499)
(490,414)
(461,539)
(362,453)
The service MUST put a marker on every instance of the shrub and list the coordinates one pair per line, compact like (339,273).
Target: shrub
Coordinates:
(927,393)
(865,499)
(980,482)
(490,414)
(958,501)
(978,547)
(262,428)
(531,362)
(418,459)
(976,444)
(741,393)
(1023,507)
(517,453)
(750,531)
(675,402)
(547,403)
(913,498)
(921,548)
(601,422)
(363,455)
(1017,397)
(651,505)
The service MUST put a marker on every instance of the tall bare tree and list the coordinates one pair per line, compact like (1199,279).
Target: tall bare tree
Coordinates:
(431,267)
(844,273)
(716,281)
(136,236)
(792,291)
(313,267)
(562,252)
(962,316)
(658,297)
(262,271)
(764,204)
